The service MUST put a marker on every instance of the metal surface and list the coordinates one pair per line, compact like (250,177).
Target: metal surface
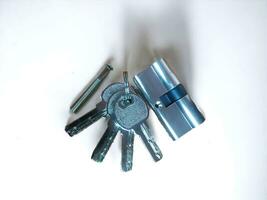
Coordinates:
(105,142)
(168,99)
(86,120)
(90,90)
(149,141)
(127,113)
(127,117)
(99,111)
(127,150)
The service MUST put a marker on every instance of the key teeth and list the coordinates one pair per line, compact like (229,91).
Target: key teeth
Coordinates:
(127,150)
(158,156)
(127,167)
(104,143)
(154,150)
(70,131)
(97,157)
(114,126)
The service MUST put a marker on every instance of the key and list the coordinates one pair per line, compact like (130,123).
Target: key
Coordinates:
(143,131)
(130,112)
(86,120)
(108,137)
(127,150)
(127,113)
(105,142)
(133,118)
(94,115)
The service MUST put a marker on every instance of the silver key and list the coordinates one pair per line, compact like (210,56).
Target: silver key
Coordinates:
(137,115)
(132,119)
(105,142)
(128,113)
(149,141)
(127,150)
(87,119)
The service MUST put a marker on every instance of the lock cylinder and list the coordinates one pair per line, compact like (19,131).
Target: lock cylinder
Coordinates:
(168,99)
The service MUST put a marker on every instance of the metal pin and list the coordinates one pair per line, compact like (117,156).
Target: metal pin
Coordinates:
(127,98)
(126,82)
(91,89)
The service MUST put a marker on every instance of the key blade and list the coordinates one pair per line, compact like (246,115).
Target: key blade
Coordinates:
(105,142)
(149,141)
(127,150)
(86,120)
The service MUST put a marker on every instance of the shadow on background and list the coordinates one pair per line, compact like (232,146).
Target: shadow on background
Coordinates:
(164,34)
(147,36)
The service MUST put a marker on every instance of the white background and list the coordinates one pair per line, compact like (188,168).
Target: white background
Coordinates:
(49,50)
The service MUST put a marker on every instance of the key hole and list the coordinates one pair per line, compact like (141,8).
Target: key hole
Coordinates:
(126,102)
(158,104)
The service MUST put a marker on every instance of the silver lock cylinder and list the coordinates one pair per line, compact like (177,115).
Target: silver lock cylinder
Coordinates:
(168,99)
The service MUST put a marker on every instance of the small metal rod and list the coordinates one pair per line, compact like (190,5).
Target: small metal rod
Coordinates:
(91,89)
(127,97)
(126,82)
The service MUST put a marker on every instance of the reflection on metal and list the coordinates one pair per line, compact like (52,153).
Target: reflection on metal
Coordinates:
(168,99)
